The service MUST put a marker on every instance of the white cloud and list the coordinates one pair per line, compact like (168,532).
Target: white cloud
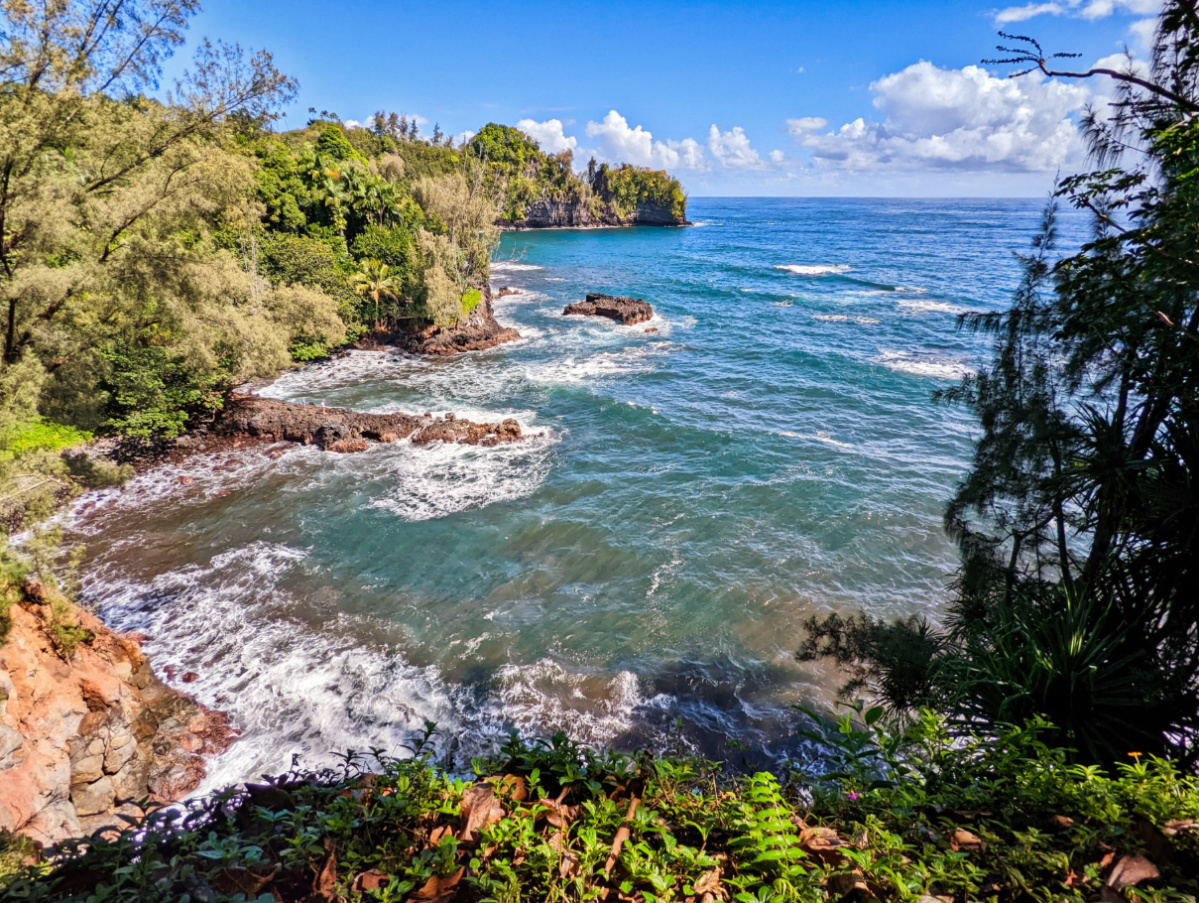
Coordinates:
(463,137)
(1091,9)
(962,119)
(1144,31)
(733,149)
(777,157)
(549,135)
(619,143)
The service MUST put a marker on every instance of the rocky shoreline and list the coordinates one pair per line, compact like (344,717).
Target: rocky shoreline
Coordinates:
(87,739)
(342,430)
(88,733)
(478,332)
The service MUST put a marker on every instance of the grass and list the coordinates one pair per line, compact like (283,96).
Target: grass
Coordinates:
(899,814)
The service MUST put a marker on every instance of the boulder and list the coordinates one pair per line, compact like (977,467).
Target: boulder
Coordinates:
(625,311)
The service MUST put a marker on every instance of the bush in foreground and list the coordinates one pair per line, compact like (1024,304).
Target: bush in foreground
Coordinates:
(904,815)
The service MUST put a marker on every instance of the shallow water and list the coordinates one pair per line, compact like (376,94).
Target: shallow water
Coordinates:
(690,496)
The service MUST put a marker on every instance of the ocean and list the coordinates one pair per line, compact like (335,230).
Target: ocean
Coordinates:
(637,572)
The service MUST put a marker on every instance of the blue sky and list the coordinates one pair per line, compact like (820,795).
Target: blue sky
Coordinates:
(798,98)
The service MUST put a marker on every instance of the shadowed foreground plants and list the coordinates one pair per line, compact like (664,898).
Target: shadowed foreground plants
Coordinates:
(902,816)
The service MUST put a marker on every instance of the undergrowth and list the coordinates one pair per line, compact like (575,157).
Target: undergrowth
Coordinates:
(896,814)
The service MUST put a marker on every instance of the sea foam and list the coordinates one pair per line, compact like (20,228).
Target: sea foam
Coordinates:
(814,269)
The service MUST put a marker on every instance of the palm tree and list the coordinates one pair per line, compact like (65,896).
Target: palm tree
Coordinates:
(374,280)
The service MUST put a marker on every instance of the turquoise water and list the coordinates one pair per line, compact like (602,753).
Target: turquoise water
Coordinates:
(689,497)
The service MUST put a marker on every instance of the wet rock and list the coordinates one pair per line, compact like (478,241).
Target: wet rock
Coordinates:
(624,310)
(339,430)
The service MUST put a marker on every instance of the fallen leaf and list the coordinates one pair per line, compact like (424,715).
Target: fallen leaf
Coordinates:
(850,886)
(823,844)
(479,807)
(372,880)
(709,883)
(1132,870)
(439,888)
(568,866)
(1061,822)
(436,835)
(966,841)
(322,886)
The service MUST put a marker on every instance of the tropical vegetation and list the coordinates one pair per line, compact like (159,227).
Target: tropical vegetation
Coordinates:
(890,815)
(1077,599)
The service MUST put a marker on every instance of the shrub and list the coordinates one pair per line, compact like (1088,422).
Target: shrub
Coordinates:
(907,814)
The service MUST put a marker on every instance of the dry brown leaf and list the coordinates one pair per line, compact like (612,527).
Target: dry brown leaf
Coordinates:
(622,835)
(322,885)
(1132,870)
(1061,822)
(479,807)
(964,841)
(823,845)
(436,889)
(568,866)
(850,886)
(437,834)
(371,880)
(709,883)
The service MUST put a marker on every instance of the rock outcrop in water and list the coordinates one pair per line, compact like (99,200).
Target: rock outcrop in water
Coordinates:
(626,311)
(340,430)
(83,740)
(479,331)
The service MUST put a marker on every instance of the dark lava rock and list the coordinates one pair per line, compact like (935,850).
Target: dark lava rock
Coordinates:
(340,430)
(625,311)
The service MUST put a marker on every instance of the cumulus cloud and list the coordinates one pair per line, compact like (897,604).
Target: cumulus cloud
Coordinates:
(618,142)
(733,149)
(1090,9)
(549,135)
(963,119)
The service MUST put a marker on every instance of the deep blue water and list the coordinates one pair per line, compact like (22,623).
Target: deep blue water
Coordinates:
(770,452)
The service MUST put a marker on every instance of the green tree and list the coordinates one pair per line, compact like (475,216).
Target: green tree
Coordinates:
(375,281)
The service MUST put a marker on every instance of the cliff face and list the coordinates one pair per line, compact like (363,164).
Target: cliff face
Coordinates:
(547,214)
(83,741)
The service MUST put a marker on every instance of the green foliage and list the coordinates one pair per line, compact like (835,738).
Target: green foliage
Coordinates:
(627,188)
(36,435)
(1078,522)
(64,629)
(470,300)
(908,813)
(153,393)
(333,143)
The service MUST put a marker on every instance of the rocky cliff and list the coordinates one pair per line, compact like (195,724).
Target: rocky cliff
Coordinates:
(547,214)
(88,737)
